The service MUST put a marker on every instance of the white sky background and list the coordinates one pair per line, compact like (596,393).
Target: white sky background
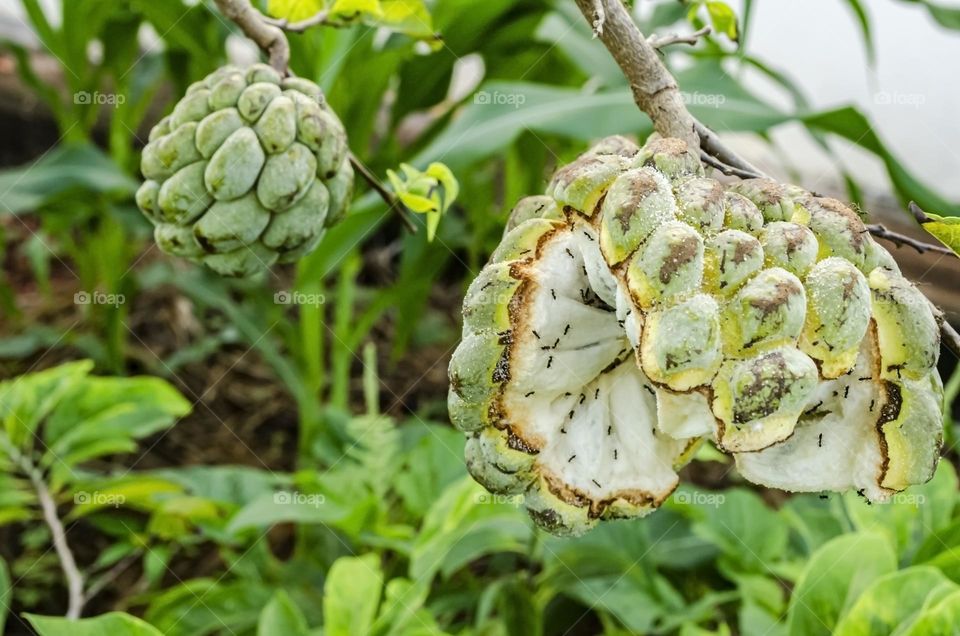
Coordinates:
(818,42)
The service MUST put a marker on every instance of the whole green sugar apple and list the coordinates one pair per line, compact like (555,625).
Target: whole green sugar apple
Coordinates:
(641,307)
(248,170)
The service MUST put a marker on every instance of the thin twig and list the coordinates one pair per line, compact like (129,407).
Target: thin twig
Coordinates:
(300,26)
(110,576)
(918,213)
(949,337)
(711,144)
(900,240)
(661,41)
(393,203)
(268,37)
(730,171)
(58,535)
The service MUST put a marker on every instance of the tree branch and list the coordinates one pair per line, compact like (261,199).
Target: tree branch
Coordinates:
(711,144)
(900,240)
(730,171)
(48,508)
(949,337)
(302,25)
(268,37)
(110,576)
(599,18)
(59,536)
(654,89)
(67,563)
(659,42)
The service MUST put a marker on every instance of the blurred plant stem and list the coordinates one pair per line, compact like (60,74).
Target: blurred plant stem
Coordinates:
(341,353)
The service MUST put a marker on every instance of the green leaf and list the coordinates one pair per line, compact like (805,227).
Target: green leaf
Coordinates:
(625,597)
(948,17)
(401,607)
(463,524)
(815,521)
(518,609)
(939,618)
(741,525)
(432,464)
(28,399)
(103,415)
(853,126)
(910,516)
(294,10)
(723,19)
(944,229)
(231,485)
(351,595)
(66,168)
(891,602)
(287,507)
(570,34)
(833,580)
(113,623)
(501,111)
(350,8)
(204,606)
(410,17)
(139,492)
(17,497)
(282,616)
(941,549)
(185,29)
(6,594)
(860,12)
(431,192)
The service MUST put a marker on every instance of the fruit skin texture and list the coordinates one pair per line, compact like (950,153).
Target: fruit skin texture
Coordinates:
(248,170)
(640,307)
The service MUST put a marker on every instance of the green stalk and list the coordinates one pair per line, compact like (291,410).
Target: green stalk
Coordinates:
(341,353)
(310,325)
(371,381)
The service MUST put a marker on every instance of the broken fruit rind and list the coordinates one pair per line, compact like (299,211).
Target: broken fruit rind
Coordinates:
(640,307)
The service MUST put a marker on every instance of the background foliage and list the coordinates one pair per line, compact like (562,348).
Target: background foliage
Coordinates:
(228,462)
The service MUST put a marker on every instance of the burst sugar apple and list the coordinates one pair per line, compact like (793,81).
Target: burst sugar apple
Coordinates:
(641,307)
(247,170)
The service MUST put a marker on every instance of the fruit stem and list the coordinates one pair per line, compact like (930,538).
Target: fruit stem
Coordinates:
(268,37)
(654,89)
(393,203)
